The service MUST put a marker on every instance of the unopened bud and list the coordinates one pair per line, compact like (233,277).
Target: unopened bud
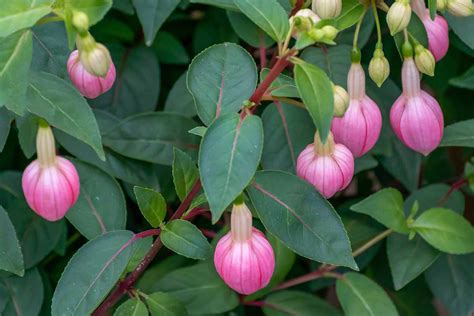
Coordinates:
(341,100)
(94,57)
(398,16)
(80,22)
(441,5)
(424,60)
(304,20)
(460,7)
(379,68)
(327,9)
(330,32)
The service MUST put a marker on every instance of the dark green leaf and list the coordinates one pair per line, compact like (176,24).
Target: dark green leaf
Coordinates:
(139,250)
(25,294)
(185,239)
(445,230)
(350,14)
(11,259)
(416,29)
(385,206)
(269,15)
(248,31)
(360,296)
(152,14)
(169,49)
(229,156)
(151,137)
(466,80)
(100,207)
(288,130)
(220,79)
(132,307)
(163,304)
(150,280)
(17,15)
(459,134)
(282,86)
(179,99)
(365,162)
(288,303)
(6,118)
(195,285)
(224,4)
(91,273)
(462,27)
(315,89)
(185,173)
(152,205)
(63,107)
(10,188)
(293,211)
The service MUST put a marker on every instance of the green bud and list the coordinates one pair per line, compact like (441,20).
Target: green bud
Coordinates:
(379,68)
(407,49)
(424,60)
(81,22)
(330,32)
(94,57)
(460,7)
(341,100)
(398,16)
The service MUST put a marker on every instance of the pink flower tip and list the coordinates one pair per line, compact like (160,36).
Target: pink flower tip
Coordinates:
(89,85)
(244,258)
(328,167)
(51,191)
(438,37)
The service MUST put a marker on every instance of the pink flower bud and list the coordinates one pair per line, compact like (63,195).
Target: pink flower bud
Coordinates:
(50,183)
(244,258)
(329,167)
(416,117)
(89,85)
(360,126)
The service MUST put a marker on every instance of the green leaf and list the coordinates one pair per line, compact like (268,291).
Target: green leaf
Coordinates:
(152,136)
(179,99)
(462,27)
(132,307)
(445,230)
(335,61)
(185,239)
(185,173)
(282,86)
(215,79)
(286,303)
(432,8)
(350,14)
(149,281)
(269,15)
(223,4)
(6,118)
(163,304)
(364,163)
(248,31)
(288,130)
(229,156)
(152,205)
(91,273)
(100,207)
(152,14)
(450,279)
(169,49)
(10,188)
(198,131)
(360,296)
(284,260)
(63,107)
(315,89)
(385,206)
(460,134)
(24,294)
(124,6)
(293,211)
(466,80)
(195,285)
(15,60)
(138,73)
(20,14)
(37,236)
(416,29)
(139,250)
(11,259)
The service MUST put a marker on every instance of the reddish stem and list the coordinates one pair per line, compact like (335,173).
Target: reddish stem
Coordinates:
(297,7)
(455,186)
(196,212)
(208,233)
(122,288)
(263,52)
(305,278)
(255,303)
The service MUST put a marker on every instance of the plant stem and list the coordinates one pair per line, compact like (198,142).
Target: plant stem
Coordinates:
(455,186)
(324,269)
(377,23)
(297,7)
(357,30)
(122,288)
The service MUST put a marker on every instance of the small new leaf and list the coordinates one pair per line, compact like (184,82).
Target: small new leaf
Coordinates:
(152,205)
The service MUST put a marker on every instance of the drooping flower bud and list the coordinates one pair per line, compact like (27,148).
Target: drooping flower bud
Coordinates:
(398,16)
(379,68)
(325,34)
(460,7)
(88,85)
(416,117)
(437,29)
(341,100)
(424,60)
(95,57)
(244,258)
(327,9)
(304,20)
(360,126)
(50,183)
(329,167)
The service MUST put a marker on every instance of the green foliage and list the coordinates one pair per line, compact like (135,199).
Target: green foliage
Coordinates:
(132,307)
(152,205)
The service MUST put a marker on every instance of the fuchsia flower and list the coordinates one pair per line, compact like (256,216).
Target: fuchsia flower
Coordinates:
(437,30)
(244,258)
(416,117)
(360,126)
(89,85)
(329,167)
(50,183)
